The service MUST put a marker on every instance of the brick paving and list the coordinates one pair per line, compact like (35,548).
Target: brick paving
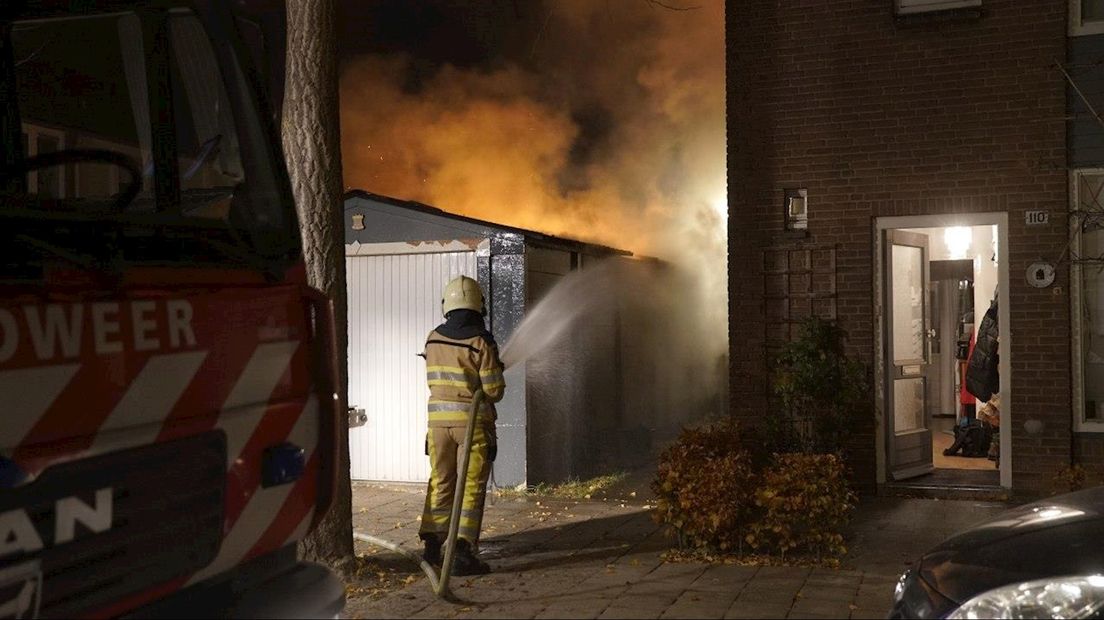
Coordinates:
(555,558)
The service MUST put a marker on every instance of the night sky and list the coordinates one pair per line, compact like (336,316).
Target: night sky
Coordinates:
(474,35)
(460,32)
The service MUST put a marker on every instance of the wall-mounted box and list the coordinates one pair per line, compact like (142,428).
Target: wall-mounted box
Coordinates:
(796,205)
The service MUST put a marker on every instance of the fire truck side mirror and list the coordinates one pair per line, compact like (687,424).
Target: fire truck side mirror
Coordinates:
(357,417)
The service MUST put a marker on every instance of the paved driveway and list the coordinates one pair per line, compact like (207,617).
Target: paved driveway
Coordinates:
(601,559)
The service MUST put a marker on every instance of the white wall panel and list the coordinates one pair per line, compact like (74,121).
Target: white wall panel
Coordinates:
(394,301)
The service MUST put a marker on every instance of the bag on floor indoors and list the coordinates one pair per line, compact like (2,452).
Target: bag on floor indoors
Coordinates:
(972,439)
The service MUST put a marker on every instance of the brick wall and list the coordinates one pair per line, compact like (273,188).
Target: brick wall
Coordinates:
(1088,449)
(880,117)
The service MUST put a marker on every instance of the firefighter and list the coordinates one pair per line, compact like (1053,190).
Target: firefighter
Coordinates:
(461,357)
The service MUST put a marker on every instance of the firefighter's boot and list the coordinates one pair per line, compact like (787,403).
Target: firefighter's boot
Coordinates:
(465,562)
(432,552)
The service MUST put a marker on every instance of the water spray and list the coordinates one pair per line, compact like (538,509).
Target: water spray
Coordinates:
(578,294)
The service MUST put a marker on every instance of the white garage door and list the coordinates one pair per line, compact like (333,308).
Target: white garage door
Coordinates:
(394,301)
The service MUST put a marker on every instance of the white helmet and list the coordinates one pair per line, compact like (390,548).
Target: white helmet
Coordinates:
(462,293)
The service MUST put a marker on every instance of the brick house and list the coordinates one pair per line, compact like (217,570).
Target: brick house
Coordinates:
(894,164)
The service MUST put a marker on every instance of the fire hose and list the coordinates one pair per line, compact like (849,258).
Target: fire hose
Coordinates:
(440,584)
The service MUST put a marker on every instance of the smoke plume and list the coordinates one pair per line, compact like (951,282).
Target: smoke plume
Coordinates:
(608,127)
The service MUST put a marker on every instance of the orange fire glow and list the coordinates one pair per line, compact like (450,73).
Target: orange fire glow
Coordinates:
(498,145)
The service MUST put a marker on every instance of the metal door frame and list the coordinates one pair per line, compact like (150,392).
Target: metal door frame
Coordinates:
(377,251)
(998,219)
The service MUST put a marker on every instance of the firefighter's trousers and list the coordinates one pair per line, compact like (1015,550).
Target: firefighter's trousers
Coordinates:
(444,444)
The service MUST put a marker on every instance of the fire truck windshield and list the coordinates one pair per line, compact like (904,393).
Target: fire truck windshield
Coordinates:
(144,122)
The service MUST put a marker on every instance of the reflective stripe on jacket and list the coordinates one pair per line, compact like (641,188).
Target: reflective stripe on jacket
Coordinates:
(455,369)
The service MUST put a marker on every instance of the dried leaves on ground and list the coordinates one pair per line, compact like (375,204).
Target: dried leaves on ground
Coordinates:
(591,488)
(375,576)
(675,556)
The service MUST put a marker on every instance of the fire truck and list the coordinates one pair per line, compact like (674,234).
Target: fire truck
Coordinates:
(167,409)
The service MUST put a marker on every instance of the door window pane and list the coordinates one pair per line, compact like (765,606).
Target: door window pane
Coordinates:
(1090,194)
(50,180)
(908,404)
(70,98)
(908,303)
(209,157)
(1092,10)
(1092,300)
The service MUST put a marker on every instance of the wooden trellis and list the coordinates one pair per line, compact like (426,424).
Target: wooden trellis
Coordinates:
(799,282)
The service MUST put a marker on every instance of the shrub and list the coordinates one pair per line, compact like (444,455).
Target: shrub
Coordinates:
(705,487)
(823,394)
(1069,479)
(806,501)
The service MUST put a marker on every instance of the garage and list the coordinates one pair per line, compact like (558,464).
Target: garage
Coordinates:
(596,398)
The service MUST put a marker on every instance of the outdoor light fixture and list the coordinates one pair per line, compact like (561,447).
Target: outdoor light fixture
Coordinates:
(720,206)
(797,209)
(958,240)
(358,221)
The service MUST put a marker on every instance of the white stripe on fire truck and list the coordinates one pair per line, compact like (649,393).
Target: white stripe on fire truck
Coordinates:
(27,394)
(301,529)
(251,394)
(264,506)
(148,401)
(261,374)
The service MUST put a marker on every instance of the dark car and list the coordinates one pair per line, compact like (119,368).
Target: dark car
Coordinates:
(1041,560)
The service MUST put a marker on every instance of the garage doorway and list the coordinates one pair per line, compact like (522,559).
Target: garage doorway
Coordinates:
(394,301)
(937,277)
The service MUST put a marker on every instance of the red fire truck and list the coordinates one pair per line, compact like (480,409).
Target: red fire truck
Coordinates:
(167,417)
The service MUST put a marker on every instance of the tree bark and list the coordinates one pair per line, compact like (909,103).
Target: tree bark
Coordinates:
(312,147)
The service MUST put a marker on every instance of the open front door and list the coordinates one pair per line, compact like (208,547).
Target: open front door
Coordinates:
(907,320)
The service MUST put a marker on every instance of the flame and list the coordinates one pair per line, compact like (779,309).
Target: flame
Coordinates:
(508,146)
(611,131)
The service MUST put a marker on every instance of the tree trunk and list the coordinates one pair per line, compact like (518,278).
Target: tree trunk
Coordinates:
(312,147)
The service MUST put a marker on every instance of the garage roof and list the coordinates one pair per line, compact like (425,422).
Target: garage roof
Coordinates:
(421,222)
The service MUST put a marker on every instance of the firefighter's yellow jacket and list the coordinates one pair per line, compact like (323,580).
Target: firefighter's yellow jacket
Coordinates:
(457,365)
